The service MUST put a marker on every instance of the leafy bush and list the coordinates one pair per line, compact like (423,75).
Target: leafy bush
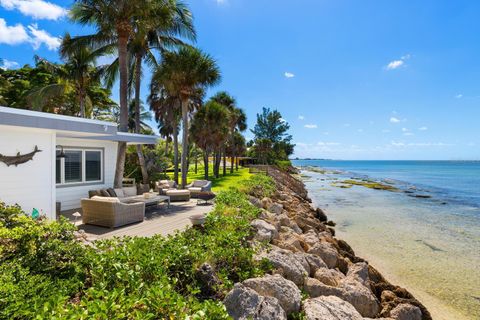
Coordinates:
(46,273)
(258,186)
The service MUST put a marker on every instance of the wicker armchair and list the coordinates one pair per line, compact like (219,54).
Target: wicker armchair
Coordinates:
(199,186)
(111,213)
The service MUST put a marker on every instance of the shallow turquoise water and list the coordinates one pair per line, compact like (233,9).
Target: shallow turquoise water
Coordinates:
(431,246)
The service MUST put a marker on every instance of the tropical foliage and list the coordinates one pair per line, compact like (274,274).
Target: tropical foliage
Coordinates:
(47,274)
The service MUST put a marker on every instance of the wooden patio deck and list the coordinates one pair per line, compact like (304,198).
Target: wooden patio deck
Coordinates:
(158,220)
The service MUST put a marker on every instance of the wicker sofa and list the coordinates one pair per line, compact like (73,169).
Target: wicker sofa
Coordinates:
(198,186)
(169,188)
(110,212)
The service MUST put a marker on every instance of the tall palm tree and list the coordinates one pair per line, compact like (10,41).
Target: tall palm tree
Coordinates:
(237,122)
(182,74)
(115,22)
(209,130)
(167,110)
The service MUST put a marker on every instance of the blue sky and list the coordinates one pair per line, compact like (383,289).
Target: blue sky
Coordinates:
(355,79)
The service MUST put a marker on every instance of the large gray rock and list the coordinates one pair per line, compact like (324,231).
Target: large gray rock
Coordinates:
(406,311)
(311,237)
(327,252)
(265,231)
(287,264)
(255,201)
(329,308)
(354,292)
(278,287)
(275,208)
(359,272)
(314,263)
(330,277)
(243,303)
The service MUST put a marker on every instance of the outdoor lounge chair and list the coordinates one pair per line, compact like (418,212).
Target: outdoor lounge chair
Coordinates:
(198,186)
(110,212)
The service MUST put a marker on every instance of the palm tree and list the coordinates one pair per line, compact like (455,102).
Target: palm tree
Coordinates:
(77,74)
(182,74)
(167,110)
(115,22)
(237,122)
(209,130)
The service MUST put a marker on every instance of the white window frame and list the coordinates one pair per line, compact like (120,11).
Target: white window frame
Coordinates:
(83,166)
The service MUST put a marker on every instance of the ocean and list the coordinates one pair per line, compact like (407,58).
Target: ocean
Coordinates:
(424,236)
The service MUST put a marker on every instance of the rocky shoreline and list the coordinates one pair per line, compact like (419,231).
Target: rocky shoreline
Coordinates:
(314,274)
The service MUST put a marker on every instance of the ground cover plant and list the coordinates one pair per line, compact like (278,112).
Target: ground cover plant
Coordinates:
(46,273)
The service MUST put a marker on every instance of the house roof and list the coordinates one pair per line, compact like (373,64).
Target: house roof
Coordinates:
(71,126)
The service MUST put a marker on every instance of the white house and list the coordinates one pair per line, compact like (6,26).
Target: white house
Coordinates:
(90,148)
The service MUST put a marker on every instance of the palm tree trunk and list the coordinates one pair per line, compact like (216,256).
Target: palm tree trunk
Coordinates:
(218,158)
(232,159)
(123,127)
(175,154)
(81,102)
(205,161)
(196,162)
(184,141)
(138,73)
(224,162)
(166,147)
(236,163)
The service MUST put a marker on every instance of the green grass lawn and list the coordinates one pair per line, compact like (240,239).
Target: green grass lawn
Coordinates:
(223,182)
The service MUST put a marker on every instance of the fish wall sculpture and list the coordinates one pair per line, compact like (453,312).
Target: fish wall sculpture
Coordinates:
(19,158)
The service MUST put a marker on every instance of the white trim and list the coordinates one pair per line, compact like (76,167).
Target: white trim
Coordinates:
(54,116)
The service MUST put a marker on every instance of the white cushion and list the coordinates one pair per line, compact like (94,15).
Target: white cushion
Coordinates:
(119,193)
(105,199)
(177,192)
(130,191)
(195,189)
(199,183)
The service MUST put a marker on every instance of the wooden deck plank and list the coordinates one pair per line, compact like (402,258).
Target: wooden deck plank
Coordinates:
(159,220)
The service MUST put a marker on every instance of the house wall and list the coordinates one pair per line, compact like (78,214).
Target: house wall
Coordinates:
(70,196)
(31,184)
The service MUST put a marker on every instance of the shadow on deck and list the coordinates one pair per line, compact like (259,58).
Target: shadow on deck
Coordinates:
(158,220)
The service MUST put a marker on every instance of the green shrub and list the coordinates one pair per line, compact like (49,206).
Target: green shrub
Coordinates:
(258,186)
(46,273)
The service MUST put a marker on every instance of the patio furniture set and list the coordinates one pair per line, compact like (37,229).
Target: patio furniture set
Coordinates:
(120,206)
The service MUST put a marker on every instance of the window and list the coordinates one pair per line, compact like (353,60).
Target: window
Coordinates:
(79,166)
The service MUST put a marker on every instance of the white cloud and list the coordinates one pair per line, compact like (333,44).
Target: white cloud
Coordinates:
(289,75)
(283,120)
(408,134)
(394,120)
(7,64)
(459,96)
(346,125)
(311,126)
(40,37)
(423,128)
(404,129)
(37,9)
(395,64)
(360,130)
(321,143)
(301,117)
(12,34)
(221,1)
(419,144)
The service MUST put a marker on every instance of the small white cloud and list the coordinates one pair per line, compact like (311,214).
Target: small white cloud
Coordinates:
(346,125)
(40,37)
(404,129)
(360,130)
(289,75)
(12,34)
(395,64)
(37,9)
(394,120)
(311,126)
(423,128)
(408,134)
(321,143)
(301,117)
(283,120)
(7,64)
(459,96)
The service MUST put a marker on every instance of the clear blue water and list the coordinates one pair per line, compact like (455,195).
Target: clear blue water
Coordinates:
(453,181)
